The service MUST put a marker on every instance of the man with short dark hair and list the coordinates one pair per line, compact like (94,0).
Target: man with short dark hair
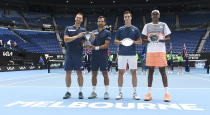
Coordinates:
(127,54)
(74,37)
(155,34)
(100,43)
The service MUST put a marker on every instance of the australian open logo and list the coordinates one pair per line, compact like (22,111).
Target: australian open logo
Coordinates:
(31,67)
(22,67)
(154,37)
(10,68)
(7,53)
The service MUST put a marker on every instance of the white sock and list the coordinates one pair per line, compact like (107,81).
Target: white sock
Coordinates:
(94,89)
(106,88)
(134,89)
(120,89)
(166,89)
(68,89)
(80,89)
(149,89)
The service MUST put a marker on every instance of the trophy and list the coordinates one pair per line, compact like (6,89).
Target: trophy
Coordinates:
(154,38)
(127,42)
(87,42)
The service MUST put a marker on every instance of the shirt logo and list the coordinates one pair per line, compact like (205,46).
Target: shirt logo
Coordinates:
(71,30)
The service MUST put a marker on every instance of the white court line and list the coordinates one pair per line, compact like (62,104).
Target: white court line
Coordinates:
(50,77)
(3,86)
(204,79)
(19,78)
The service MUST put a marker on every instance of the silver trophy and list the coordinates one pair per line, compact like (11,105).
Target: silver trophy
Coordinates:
(154,38)
(88,42)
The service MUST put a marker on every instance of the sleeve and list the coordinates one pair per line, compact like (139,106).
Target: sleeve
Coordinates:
(144,31)
(118,34)
(167,31)
(66,32)
(108,36)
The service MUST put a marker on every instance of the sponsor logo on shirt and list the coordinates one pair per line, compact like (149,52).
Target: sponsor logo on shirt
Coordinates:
(71,30)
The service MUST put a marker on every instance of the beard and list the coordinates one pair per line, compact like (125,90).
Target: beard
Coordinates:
(101,26)
(77,22)
(155,19)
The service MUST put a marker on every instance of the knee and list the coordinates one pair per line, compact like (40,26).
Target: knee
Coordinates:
(106,77)
(151,72)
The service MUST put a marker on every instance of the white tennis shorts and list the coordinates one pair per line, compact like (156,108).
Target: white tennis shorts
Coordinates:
(124,60)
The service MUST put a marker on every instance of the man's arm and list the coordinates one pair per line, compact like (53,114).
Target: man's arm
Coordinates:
(167,38)
(104,46)
(145,40)
(139,41)
(116,41)
(70,39)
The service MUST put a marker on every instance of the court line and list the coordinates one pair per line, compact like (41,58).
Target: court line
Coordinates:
(19,78)
(3,86)
(50,77)
(204,79)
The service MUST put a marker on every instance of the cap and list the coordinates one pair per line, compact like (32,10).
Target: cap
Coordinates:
(155,11)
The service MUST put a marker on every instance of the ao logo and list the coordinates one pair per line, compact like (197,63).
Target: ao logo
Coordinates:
(7,53)
(22,67)
(10,68)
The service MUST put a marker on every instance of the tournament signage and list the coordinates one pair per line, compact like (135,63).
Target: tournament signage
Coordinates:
(106,105)
(16,68)
(7,53)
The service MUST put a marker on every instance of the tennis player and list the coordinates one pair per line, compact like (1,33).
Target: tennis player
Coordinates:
(127,54)
(74,37)
(156,34)
(99,58)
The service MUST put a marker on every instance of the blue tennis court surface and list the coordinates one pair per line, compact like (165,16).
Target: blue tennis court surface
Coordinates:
(38,93)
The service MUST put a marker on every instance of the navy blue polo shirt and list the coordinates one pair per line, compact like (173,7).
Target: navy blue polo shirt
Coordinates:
(74,47)
(131,32)
(100,38)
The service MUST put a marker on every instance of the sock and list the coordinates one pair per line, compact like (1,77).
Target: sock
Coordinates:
(120,89)
(106,88)
(149,89)
(166,89)
(134,91)
(94,89)
(80,89)
(68,89)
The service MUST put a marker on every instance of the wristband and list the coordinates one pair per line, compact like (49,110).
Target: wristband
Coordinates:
(96,47)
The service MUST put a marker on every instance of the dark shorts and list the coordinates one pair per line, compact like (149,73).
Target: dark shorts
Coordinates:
(169,62)
(73,63)
(99,62)
(180,63)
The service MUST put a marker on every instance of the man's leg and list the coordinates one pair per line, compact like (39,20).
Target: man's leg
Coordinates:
(134,78)
(122,62)
(94,80)
(94,83)
(134,82)
(164,77)
(165,83)
(120,82)
(68,84)
(80,82)
(106,78)
(150,79)
(106,83)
